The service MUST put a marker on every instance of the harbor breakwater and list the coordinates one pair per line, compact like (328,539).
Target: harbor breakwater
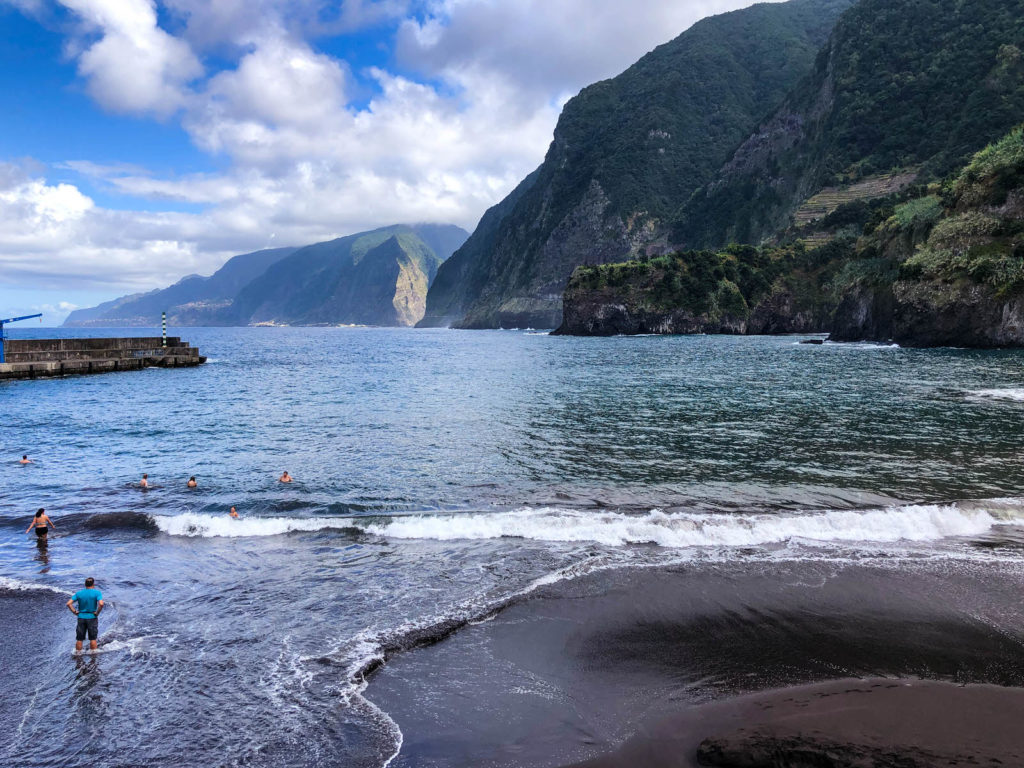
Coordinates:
(33,358)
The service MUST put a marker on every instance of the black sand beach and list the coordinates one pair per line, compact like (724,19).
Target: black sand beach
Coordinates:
(652,658)
(842,724)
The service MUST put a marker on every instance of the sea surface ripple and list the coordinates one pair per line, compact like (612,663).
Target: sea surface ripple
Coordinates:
(442,477)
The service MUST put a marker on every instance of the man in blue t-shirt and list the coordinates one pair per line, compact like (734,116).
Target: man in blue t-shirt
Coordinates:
(90,603)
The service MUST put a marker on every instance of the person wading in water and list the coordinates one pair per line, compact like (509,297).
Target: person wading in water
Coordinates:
(40,523)
(90,603)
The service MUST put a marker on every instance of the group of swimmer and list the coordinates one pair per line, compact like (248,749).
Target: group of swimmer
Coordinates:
(87,603)
(144,483)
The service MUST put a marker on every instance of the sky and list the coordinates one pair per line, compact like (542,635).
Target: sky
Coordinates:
(145,140)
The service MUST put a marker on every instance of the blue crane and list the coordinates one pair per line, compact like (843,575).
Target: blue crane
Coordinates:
(3,336)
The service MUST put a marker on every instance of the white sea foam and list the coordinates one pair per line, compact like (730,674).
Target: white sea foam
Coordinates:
(1015,394)
(907,523)
(15,585)
(194,524)
(924,522)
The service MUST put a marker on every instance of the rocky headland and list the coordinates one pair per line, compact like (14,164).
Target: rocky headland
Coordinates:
(931,265)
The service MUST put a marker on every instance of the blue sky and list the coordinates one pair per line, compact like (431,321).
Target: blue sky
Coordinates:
(144,140)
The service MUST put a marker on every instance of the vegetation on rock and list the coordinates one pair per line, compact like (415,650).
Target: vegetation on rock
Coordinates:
(930,264)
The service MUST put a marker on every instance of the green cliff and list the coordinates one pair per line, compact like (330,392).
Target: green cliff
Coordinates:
(917,85)
(626,154)
(931,265)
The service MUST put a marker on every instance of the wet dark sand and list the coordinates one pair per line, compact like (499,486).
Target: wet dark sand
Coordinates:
(874,722)
(583,666)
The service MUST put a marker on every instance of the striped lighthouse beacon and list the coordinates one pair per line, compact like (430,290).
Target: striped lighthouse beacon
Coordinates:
(163,328)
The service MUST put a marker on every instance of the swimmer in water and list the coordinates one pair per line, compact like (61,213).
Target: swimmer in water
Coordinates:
(25,460)
(192,482)
(285,478)
(40,522)
(233,513)
(144,482)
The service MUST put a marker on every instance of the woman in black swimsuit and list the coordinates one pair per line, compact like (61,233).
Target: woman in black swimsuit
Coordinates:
(40,522)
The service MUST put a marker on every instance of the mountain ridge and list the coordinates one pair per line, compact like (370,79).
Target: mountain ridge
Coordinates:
(320,284)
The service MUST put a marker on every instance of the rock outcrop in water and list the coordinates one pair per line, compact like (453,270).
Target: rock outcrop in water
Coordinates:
(740,290)
(946,269)
(371,278)
(934,266)
(627,153)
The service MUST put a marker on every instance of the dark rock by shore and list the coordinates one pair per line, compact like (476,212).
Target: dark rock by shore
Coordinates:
(932,314)
(876,723)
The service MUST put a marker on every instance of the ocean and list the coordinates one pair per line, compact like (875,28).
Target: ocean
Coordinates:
(501,548)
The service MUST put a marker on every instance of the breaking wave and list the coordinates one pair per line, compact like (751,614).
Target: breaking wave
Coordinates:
(905,523)
(914,523)
(15,586)
(195,524)
(1016,394)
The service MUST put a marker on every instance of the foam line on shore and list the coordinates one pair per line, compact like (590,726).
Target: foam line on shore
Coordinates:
(196,524)
(8,584)
(926,522)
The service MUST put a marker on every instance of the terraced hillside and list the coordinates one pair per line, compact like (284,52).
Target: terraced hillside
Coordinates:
(826,201)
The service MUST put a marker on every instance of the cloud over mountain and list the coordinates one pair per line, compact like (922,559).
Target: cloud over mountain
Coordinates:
(317,119)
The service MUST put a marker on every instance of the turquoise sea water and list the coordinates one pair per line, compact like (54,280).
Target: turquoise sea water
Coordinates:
(440,476)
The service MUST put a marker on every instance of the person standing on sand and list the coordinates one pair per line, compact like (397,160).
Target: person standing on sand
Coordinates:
(144,482)
(192,482)
(285,478)
(40,523)
(90,603)
(25,460)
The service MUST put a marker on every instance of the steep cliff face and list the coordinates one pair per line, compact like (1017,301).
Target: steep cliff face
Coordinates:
(627,153)
(193,300)
(372,278)
(933,314)
(466,274)
(917,84)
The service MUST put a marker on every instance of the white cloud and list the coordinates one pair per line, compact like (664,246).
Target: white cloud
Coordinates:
(538,48)
(135,66)
(301,163)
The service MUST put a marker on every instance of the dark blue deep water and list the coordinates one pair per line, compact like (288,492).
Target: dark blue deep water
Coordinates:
(443,478)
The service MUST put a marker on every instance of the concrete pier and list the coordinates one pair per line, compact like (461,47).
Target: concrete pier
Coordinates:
(36,358)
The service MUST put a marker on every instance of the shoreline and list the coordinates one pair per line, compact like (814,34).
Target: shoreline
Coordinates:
(848,722)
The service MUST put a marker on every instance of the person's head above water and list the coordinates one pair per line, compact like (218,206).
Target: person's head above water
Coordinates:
(24,457)
(89,582)
(144,475)
(41,512)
